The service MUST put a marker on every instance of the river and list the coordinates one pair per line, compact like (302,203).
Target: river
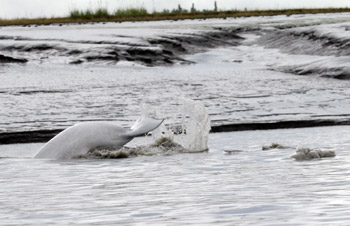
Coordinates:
(245,71)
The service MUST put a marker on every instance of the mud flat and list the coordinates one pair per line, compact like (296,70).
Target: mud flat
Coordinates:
(240,68)
(164,49)
(7,59)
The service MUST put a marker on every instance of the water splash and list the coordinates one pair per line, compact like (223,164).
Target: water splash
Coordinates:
(191,129)
(163,146)
(185,131)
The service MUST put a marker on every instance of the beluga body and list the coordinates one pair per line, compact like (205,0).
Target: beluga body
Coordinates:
(83,137)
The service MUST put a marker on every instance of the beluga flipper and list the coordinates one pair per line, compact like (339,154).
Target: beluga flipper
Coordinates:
(83,137)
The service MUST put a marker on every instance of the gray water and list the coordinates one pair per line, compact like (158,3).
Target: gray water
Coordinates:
(247,187)
(235,182)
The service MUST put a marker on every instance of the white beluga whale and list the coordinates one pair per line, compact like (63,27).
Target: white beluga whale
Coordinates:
(82,137)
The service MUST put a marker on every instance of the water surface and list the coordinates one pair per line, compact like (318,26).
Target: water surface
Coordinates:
(248,187)
(255,80)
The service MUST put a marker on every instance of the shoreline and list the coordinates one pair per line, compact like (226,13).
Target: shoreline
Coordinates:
(167,51)
(39,136)
(158,16)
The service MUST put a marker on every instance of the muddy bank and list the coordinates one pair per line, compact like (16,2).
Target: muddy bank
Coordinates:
(340,72)
(45,135)
(8,59)
(327,48)
(159,50)
(28,136)
(302,41)
(291,124)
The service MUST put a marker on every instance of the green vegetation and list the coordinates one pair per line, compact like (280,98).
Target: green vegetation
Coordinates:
(89,14)
(131,12)
(141,14)
(102,13)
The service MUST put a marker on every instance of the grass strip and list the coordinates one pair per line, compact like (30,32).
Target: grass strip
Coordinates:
(141,14)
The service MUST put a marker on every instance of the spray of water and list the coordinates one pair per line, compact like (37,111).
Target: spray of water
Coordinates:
(191,129)
(184,131)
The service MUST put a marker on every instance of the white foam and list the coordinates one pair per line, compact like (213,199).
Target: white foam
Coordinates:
(163,146)
(192,129)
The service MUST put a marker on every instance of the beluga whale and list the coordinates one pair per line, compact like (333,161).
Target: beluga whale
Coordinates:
(83,137)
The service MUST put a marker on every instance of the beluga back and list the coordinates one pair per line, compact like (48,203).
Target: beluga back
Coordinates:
(82,137)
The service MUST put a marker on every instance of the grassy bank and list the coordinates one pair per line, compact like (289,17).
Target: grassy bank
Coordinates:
(141,14)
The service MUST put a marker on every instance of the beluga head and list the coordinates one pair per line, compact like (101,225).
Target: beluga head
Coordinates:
(83,137)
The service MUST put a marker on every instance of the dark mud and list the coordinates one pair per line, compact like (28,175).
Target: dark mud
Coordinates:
(159,51)
(33,48)
(278,125)
(305,42)
(33,92)
(341,72)
(145,56)
(167,50)
(193,43)
(310,42)
(7,59)
(28,136)
(46,135)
